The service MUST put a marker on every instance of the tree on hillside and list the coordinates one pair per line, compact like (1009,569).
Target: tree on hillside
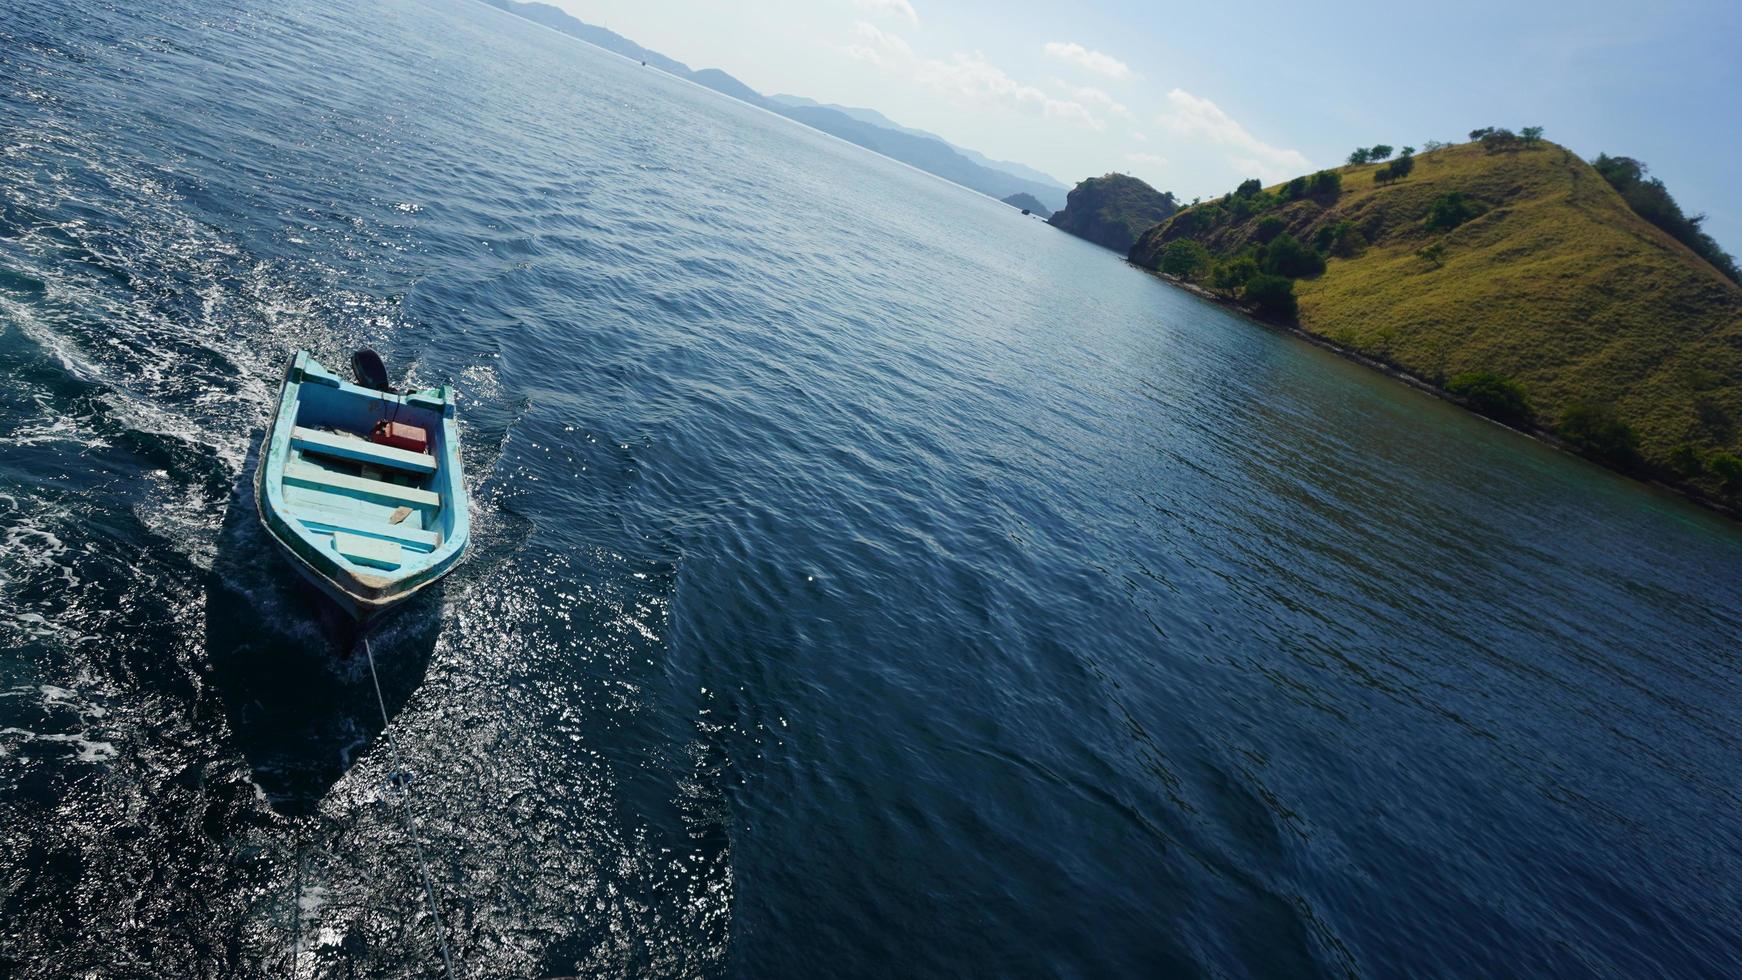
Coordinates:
(1249,187)
(1273,295)
(1185,258)
(1728,468)
(1494,396)
(1477,134)
(1531,135)
(1407,151)
(1450,210)
(1295,189)
(1360,155)
(1286,256)
(1651,200)
(1342,239)
(1195,221)
(1327,183)
(1397,169)
(1598,431)
(1496,140)
(1432,145)
(1233,273)
(1378,153)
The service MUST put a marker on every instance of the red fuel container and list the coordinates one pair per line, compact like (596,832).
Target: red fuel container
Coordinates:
(401,436)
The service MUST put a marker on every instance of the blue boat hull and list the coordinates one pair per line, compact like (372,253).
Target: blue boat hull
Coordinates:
(367,524)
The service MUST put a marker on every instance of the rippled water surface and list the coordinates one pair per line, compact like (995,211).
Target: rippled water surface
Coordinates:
(867,580)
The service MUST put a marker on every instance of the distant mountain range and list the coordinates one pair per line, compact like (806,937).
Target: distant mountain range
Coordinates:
(875,118)
(866,127)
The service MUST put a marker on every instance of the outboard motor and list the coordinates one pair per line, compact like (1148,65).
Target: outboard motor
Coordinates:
(369,370)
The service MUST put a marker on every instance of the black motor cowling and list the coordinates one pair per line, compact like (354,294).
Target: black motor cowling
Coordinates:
(369,370)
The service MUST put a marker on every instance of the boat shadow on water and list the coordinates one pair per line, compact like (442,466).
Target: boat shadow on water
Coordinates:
(288,665)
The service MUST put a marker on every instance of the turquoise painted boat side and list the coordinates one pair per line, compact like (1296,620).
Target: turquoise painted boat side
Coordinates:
(336,524)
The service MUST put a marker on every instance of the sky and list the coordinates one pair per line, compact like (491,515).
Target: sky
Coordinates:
(1193,98)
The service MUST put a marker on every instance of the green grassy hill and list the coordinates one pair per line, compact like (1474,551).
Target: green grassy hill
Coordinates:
(1551,283)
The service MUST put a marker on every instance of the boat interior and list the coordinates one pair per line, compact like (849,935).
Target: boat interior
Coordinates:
(376,506)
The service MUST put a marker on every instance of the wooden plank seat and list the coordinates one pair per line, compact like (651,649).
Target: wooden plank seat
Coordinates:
(302,474)
(406,532)
(358,449)
(373,552)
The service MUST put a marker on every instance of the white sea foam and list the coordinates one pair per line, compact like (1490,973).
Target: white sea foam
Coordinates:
(89,749)
(36,569)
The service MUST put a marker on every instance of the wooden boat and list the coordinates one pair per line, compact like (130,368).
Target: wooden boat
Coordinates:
(358,509)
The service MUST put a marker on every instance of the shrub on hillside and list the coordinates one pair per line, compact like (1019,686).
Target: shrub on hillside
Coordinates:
(1496,140)
(1273,295)
(1242,208)
(1341,239)
(1687,460)
(1652,201)
(1268,229)
(1231,274)
(1286,256)
(1195,221)
(1370,154)
(1397,169)
(1185,258)
(1249,187)
(1715,421)
(1494,396)
(1450,210)
(1598,432)
(1327,183)
(1295,189)
(1728,468)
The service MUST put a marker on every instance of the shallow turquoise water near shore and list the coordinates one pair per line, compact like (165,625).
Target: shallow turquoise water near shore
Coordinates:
(868,579)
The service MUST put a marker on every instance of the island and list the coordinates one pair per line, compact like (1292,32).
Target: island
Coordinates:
(1571,300)
(1027,204)
(1113,210)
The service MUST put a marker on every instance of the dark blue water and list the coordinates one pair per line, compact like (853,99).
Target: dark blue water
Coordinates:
(867,580)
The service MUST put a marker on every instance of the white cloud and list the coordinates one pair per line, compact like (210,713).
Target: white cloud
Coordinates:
(970,79)
(899,8)
(1097,99)
(1101,64)
(877,47)
(1195,117)
(965,79)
